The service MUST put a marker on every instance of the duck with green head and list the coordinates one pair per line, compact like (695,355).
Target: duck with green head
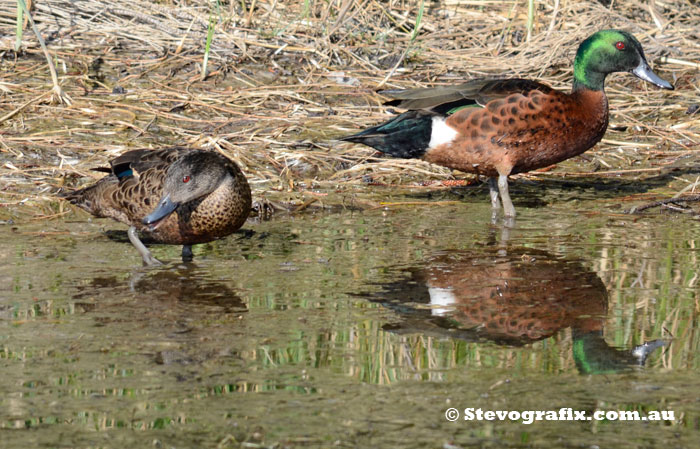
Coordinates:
(178,196)
(500,127)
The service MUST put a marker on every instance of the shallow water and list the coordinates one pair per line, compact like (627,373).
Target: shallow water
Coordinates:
(355,329)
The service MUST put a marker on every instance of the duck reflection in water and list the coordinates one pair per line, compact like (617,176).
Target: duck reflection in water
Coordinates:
(167,310)
(185,286)
(512,297)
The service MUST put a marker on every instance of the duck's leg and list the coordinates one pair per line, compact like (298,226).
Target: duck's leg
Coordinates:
(493,191)
(508,208)
(187,255)
(146,255)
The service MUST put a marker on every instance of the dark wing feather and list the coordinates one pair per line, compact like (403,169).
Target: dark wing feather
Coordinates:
(479,92)
(138,161)
(430,97)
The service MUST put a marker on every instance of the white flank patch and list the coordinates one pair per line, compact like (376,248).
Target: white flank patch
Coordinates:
(441,133)
(441,300)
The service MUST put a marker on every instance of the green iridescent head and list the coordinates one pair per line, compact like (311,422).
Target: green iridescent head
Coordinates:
(611,51)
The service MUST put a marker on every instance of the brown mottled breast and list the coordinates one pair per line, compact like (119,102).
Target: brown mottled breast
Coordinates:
(524,130)
(209,218)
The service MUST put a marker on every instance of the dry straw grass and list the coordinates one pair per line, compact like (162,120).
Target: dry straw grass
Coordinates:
(285,78)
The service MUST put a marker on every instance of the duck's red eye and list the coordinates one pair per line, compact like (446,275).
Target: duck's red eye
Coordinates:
(186,178)
(620,45)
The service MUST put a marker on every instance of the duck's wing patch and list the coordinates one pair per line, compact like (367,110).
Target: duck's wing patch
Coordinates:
(134,162)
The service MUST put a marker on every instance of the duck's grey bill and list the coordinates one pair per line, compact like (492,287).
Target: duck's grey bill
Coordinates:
(165,207)
(644,72)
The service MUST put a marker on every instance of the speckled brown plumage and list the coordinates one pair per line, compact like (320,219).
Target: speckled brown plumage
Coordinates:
(138,180)
(502,127)
(523,125)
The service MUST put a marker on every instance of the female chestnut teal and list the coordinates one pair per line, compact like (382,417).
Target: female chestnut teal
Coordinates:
(500,127)
(178,196)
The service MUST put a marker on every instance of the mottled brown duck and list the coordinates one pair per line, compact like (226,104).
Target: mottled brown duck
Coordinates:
(500,127)
(177,196)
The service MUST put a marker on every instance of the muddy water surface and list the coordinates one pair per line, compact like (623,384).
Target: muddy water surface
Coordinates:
(353,329)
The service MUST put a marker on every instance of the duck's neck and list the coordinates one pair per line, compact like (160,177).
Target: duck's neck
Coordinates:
(588,80)
(585,77)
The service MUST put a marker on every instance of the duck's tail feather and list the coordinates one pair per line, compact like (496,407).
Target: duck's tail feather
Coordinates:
(82,198)
(407,135)
(95,198)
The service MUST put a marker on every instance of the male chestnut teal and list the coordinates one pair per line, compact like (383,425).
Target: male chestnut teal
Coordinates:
(178,196)
(500,127)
